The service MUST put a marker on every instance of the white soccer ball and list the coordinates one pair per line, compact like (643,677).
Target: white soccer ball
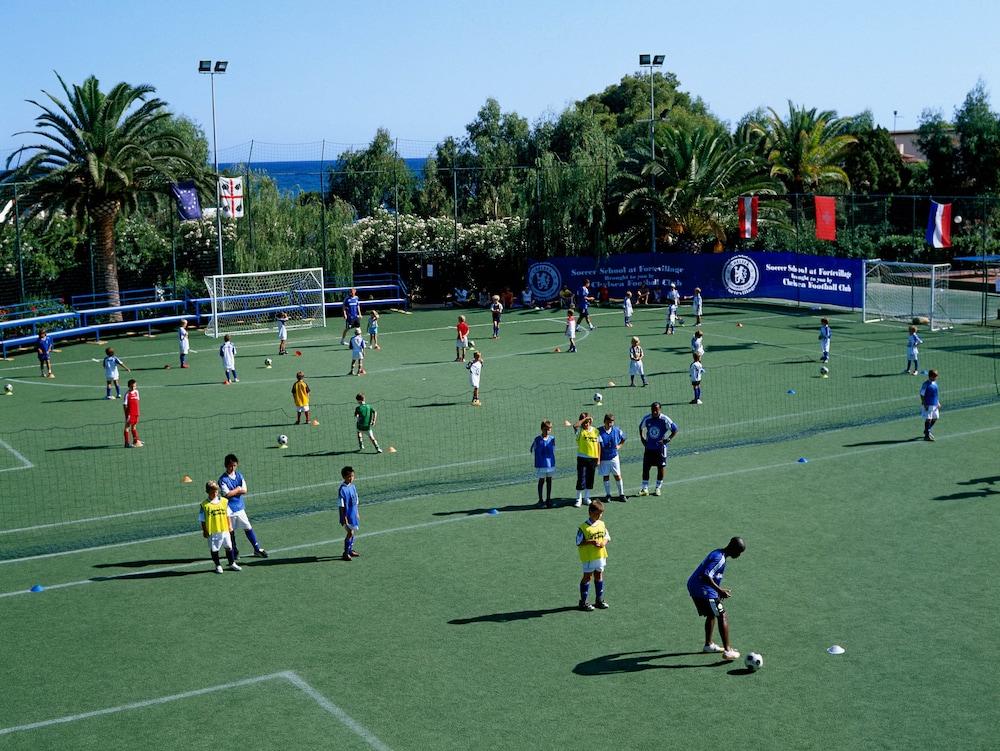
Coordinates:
(267,362)
(472,343)
(8,388)
(753,661)
(598,398)
(282,440)
(824,371)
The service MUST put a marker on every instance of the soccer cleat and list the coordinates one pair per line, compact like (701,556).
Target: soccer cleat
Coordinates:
(607,499)
(185,365)
(548,503)
(225,383)
(218,569)
(346,557)
(378,450)
(585,606)
(601,605)
(657,491)
(693,401)
(541,503)
(139,444)
(697,401)
(109,397)
(234,566)
(354,554)
(578,503)
(128,445)
(260,553)
(730,654)
(711,647)
(623,498)
(643,491)
(928,436)
(236,380)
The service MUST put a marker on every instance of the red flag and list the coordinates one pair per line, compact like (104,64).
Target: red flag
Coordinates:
(826,218)
(748,217)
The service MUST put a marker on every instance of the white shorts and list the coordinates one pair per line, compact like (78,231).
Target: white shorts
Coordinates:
(697,310)
(912,354)
(112,376)
(241,520)
(282,333)
(218,541)
(591,566)
(824,345)
(303,408)
(541,472)
(474,381)
(185,347)
(462,343)
(229,364)
(931,413)
(610,466)
(635,368)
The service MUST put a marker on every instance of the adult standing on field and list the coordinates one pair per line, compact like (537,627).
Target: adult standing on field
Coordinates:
(583,300)
(655,431)
(352,314)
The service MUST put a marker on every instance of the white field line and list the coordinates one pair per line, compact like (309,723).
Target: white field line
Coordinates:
(25,463)
(292,677)
(288,549)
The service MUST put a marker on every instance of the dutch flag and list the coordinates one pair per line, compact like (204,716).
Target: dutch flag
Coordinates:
(939,225)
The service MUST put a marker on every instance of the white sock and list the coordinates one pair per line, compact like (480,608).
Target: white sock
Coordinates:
(607,487)
(659,484)
(621,487)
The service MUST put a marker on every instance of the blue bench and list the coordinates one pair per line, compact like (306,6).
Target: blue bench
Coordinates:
(33,322)
(82,332)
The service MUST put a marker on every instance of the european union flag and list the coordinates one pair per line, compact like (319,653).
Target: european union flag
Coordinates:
(186,194)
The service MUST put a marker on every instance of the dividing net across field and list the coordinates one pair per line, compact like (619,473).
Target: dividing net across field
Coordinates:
(252,303)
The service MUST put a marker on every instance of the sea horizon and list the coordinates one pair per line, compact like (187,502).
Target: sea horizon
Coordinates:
(307,175)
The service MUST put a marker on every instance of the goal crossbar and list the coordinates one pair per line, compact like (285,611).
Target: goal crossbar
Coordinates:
(258,302)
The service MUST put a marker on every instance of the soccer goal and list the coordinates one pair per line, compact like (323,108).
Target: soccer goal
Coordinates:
(910,292)
(253,303)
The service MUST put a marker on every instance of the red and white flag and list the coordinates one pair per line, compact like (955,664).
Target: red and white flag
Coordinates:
(748,217)
(231,195)
(826,218)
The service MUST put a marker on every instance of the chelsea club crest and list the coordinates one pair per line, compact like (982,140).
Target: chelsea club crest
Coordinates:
(544,280)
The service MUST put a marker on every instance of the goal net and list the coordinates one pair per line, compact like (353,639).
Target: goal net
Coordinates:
(253,303)
(910,292)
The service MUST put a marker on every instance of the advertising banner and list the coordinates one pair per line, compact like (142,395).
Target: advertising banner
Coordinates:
(820,280)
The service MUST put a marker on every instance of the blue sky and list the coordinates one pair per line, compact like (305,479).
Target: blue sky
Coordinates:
(305,70)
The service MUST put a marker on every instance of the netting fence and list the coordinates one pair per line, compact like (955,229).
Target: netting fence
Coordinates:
(78,488)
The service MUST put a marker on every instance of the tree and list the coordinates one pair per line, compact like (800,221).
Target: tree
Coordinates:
(874,165)
(373,177)
(806,151)
(101,153)
(699,175)
(978,131)
(497,143)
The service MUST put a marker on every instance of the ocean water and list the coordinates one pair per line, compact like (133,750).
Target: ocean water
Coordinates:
(305,176)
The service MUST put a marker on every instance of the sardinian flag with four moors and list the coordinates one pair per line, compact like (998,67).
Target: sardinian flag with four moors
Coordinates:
(231,193)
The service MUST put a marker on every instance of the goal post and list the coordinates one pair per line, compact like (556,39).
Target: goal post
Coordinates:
(910,292)
(252,303)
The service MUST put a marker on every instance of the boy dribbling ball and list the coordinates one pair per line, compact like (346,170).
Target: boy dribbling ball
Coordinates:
(592,538)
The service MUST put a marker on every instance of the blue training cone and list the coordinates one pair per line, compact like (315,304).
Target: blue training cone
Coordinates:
(38,588)
(803,460)
(493,512)
(791,392)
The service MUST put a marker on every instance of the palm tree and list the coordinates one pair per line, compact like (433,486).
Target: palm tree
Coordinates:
(100,155)
(806,150)
(699,175)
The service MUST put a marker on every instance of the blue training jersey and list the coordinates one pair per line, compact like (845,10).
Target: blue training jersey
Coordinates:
(582,303)
(45,345)
(353,306)
(658,429)
(544,450)
(714,566)
(610,439)
(348,494)
(929,394)
(227,483)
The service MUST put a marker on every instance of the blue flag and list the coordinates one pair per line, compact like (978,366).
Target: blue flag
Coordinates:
(186,194)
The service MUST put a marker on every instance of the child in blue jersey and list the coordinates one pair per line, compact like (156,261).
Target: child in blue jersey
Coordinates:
(592,538)
(912,351)
(930,403)
(233,487)
(44,349)
(611,438)
(825,334)
(357,353)
(705,587)
(655,431)
(544,450)
(111,363)
(350,517)
(373,329)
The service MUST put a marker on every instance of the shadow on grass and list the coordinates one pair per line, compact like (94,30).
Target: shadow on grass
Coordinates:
(741,671)
(890,442)
(981,480)
(269,425)
(968,495)
(514,615)
(634,662)
(323,453)
(153,575)
(83,448)
(879,375)
(557,502)
(148,562)
(435,404)
(71,401)
(289,561)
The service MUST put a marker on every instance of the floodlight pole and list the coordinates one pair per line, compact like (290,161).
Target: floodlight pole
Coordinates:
(652,61)
(211,69)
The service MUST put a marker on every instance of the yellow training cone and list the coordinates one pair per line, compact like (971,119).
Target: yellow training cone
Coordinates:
(392,449)
(185,479)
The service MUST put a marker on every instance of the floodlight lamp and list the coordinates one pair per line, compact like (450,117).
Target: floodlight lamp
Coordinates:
(658,59)
(221,65)
(204,66)
(643,59)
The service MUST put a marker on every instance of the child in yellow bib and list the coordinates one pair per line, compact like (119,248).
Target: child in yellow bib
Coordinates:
(592,540)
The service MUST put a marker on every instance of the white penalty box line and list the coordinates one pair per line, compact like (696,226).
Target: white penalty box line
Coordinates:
(25,462)
(286,675)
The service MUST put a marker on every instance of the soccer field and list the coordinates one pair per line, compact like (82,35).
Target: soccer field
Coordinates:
(457,628)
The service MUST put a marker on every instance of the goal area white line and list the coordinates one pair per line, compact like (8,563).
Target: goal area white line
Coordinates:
(286,675)
(25,462)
